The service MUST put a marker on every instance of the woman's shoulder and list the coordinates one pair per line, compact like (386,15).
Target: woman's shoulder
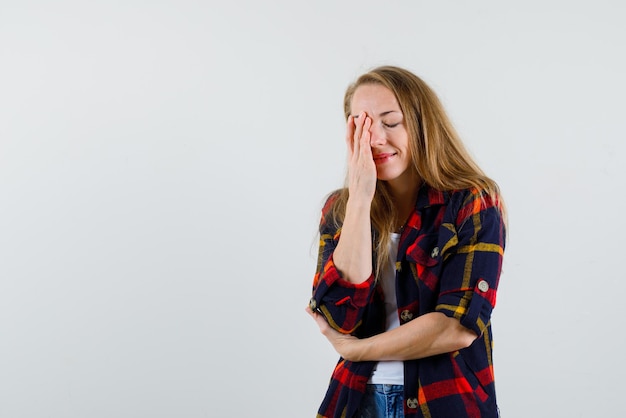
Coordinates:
(331,199)
(470,201)
(474,194)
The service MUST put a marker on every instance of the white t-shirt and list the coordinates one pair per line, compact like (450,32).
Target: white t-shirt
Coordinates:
(390,372)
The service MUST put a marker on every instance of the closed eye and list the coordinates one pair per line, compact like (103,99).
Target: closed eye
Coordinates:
(391,125)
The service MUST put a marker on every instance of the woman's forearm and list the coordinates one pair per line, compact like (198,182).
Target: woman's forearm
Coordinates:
(353,255)
(427,335)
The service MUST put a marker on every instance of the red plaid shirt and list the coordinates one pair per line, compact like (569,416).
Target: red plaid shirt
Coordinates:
(449,261)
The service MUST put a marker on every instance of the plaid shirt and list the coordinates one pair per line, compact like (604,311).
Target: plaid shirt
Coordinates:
(449,261)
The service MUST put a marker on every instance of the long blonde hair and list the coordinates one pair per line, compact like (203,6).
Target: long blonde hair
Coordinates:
(438,155)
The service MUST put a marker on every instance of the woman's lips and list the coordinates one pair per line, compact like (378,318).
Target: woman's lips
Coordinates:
(384,157)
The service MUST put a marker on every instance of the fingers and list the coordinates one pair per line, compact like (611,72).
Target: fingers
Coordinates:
(358,134)
(361,167)
(313,314)
(319,319)
(350,134)
(358,127)
(365,138)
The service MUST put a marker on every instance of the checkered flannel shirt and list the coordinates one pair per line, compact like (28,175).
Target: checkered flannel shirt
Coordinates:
(449,260)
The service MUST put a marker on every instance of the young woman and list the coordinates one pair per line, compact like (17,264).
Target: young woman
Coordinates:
(409,261)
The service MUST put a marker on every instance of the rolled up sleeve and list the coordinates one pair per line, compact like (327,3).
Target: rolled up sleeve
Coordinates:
(472,266)
(341,302)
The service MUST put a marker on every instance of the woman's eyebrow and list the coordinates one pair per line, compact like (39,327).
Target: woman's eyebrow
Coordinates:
(388,112)
(381,114)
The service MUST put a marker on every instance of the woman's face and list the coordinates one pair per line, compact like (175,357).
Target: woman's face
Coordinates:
(389,137)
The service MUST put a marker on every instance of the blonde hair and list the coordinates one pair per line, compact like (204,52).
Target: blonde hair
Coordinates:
(438,155)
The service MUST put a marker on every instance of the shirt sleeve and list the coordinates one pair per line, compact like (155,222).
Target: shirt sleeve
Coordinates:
(341,302)
(472,261)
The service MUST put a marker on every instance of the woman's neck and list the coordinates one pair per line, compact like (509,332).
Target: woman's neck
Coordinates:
(404,194)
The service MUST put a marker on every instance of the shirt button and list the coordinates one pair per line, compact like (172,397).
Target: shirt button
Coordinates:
(483,286)
(313,304)
(411,403)
(435,252)
(406,315)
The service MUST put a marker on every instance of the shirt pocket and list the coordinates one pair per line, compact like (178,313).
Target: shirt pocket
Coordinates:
(424,250)
(476,381)
(424,255)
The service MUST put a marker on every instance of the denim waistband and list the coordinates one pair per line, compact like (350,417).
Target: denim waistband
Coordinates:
(387,389)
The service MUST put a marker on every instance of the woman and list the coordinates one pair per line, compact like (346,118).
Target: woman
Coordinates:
(409,261)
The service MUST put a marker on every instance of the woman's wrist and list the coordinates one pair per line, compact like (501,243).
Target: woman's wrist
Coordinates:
(358,204)
(357,349)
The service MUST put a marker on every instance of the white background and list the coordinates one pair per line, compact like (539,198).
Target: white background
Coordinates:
(163,163)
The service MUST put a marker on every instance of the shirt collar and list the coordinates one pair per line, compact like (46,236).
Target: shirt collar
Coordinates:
(426,197)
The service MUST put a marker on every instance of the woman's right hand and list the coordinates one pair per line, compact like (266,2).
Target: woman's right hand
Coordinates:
(353,254)
(361,166)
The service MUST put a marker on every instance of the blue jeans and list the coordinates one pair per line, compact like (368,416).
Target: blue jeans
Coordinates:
(382,401)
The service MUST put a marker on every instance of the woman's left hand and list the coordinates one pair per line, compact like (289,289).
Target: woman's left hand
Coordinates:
(347,346)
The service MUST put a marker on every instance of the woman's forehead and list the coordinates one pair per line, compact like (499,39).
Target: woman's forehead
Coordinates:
(374,99)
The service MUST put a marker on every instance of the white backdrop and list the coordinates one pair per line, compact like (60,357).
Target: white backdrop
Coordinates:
(163,163)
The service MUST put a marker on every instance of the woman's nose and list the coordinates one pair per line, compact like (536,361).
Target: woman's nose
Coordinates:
(377,135)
